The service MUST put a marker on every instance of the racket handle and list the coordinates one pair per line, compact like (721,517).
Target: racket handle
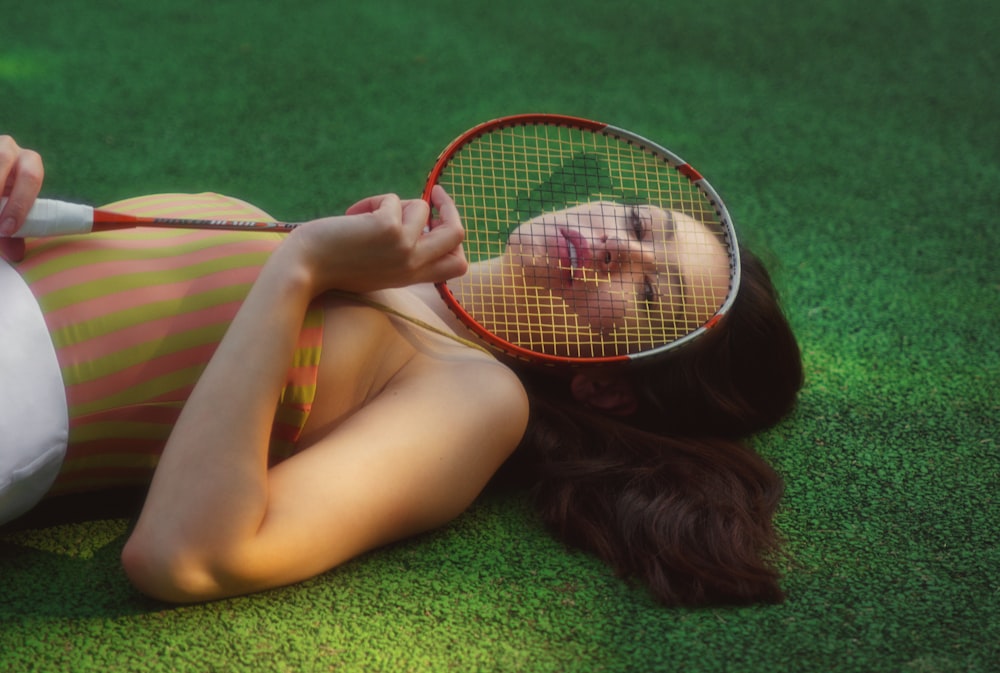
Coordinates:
(49,217)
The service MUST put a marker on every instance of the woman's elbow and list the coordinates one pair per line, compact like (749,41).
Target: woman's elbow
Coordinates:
(167,575)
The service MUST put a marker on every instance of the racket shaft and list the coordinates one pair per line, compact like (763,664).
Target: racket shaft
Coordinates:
(50,217)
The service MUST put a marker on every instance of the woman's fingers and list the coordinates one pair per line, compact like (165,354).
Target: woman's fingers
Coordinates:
(372,204)
(445,205)
(383,241)
(444,237)
(21,175)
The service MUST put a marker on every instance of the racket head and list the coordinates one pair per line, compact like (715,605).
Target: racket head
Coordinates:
(588,244)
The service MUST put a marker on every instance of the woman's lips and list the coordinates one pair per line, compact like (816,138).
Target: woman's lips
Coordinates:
(574,256)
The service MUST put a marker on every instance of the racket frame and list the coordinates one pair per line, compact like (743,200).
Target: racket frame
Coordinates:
(724,222)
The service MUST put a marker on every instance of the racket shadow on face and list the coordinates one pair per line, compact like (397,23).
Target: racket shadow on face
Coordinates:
(588,244)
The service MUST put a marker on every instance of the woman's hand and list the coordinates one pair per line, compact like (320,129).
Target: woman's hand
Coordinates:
(21,175)
(382,242)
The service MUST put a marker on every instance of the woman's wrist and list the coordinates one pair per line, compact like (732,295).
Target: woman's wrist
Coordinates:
(293,270)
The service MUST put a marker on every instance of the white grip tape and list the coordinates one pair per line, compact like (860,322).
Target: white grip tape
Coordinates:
(49,217)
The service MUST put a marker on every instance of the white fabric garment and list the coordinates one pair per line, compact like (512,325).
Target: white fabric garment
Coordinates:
(34,420)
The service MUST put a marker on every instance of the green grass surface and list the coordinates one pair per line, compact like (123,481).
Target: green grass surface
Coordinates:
(856,144)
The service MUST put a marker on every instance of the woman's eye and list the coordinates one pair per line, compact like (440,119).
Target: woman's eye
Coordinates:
(648,292)
(638,226)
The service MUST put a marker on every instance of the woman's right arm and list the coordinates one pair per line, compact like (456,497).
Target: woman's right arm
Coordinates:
(21,175)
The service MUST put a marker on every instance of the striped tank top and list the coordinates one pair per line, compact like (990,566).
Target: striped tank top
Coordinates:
(135,315)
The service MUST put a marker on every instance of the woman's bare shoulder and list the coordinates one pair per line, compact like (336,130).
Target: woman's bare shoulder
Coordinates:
(392,343)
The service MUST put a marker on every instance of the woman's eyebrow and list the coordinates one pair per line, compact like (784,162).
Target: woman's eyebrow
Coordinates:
(667,313)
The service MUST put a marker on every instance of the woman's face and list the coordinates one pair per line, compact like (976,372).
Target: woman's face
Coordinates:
(616,264)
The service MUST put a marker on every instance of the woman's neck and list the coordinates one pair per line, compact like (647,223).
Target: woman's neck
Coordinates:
(460,288)
(495,293)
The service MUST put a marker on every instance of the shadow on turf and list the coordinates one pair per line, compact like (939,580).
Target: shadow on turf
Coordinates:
(38,583)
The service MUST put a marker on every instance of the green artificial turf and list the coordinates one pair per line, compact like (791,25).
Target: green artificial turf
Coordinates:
(856,144)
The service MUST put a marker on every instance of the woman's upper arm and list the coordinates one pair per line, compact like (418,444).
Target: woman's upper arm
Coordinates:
(412,459)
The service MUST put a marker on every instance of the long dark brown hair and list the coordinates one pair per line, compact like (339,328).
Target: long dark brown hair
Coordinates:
(675,497)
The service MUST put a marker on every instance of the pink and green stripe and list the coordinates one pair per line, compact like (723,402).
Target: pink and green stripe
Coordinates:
(135,315)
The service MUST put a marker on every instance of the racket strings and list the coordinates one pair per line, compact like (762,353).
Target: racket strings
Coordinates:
(567,300)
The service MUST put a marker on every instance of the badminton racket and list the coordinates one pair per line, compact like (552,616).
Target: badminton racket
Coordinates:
(588,244)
